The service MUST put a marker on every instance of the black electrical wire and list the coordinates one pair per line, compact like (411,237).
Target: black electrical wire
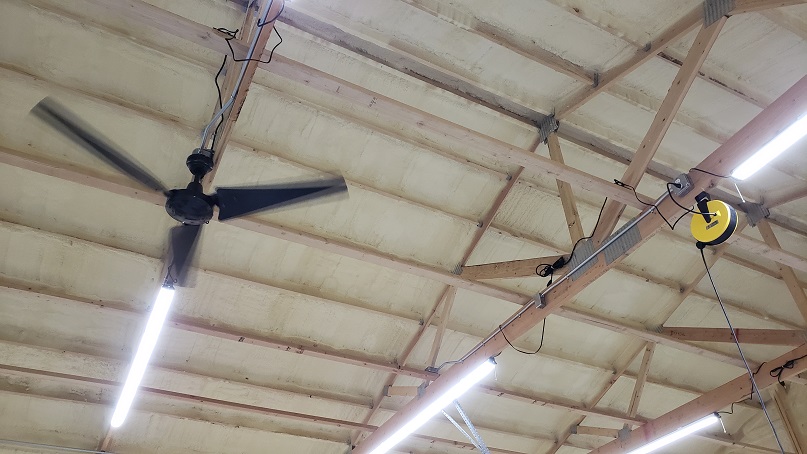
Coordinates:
(218,90)
(548,270)
(710,173)
(635,194)
(231,36)
(778,371)
(754,386)
(540,346)
(681,206)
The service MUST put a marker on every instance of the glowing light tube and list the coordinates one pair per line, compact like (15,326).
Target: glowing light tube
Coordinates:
(449,396)
(772,149)
(677,435)
(141,359)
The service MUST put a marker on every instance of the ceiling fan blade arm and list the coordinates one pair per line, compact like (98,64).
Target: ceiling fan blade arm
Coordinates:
(183,240)
(72,127)
(237,202)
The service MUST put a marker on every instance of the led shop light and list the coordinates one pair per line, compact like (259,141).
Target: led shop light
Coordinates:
(141,359)
(449,396)
(677,435)
(772,149)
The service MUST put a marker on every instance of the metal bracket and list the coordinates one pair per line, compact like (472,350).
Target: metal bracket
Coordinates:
(457,269)
(713,10)
(540,303)
(596,79)
(573,431)
(547,126)
(754,212)
(624,433)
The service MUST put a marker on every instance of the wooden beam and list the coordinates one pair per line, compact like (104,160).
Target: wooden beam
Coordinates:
(786,109)
(780,400)
(250,31)
(786,195)
(500,37)
(641,379)
(661,123)
(744,335)
(792,282)
(448,301)
(702,406)
(566,195)
(777,254)
(669,36)
(409,391)
(596,431)
(511,269)
(749,6)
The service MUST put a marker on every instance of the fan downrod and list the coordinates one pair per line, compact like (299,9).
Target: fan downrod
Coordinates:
(191,205)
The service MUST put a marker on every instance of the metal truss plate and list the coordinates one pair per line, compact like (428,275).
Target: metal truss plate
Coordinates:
(583,251)
(715,9)
(549,125)
(623,243)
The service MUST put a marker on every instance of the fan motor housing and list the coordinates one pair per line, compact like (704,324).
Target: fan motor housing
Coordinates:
(190,205)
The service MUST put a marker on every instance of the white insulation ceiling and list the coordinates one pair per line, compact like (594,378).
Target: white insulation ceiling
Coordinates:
(299,319)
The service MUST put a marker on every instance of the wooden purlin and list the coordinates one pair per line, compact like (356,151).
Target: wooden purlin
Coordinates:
(710,402)
(641,379)
(784,111)
(661,123)
(744,335)
(511,269)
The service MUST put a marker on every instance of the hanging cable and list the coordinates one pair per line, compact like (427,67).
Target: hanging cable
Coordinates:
(754,386)
(540,346)
(635,194)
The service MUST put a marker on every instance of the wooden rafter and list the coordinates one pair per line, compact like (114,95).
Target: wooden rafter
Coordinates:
(702,406)
(641,379)
(661,123)
(744,335)
(787,273)
(784,196)
(596,431)
(739,147)
(250,31)
(510,269)
(566,194)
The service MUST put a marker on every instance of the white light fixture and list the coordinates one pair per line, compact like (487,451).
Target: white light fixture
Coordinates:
(677,435)
(449,396)
(141,359)
(772,149)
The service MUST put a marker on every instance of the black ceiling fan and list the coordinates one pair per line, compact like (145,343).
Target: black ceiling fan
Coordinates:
(189,205)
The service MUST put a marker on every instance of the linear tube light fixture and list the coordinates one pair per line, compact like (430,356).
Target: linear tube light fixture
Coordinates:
(141,359)
(449,396)
(772,149)
(677,435)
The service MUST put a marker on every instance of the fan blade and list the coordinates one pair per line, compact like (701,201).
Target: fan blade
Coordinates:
(183,243)
(235,202)
(66,122)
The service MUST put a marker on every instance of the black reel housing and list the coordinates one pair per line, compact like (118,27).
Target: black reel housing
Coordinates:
(191,206)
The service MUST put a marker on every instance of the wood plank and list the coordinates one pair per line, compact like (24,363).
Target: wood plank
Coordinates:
(792,282)
(408,391)
(744,335)
(595,431)
(511,269)
(786,109)
(776,254)
(661,123)
(702,406)
(566,194)
(641,379)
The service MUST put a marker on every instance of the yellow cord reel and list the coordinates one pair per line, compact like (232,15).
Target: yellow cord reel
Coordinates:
(715,222)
